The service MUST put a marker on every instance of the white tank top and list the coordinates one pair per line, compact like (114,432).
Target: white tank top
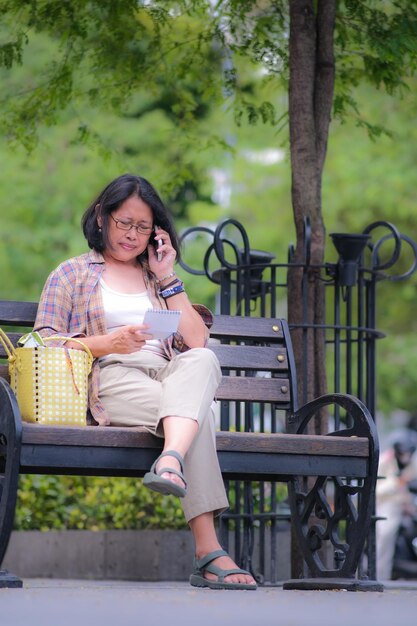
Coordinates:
(126,309)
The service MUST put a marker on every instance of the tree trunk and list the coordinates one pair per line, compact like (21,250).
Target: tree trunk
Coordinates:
(312,71)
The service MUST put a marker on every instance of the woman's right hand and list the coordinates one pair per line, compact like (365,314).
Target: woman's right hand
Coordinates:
(128,339)
(125,340)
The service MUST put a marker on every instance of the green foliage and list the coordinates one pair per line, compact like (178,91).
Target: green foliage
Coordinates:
(103,503)
(189,54)
(397,374)
(92,503)
(85,69)
(375,43)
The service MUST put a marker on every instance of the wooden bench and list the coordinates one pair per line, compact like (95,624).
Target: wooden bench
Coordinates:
(331,477)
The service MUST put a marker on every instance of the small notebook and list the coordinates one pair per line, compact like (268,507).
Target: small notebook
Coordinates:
(162,323)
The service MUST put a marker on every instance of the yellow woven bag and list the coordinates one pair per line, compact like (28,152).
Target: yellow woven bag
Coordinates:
(50,383)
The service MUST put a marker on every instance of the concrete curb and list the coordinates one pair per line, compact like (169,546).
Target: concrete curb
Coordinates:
(104,555)
(145,555)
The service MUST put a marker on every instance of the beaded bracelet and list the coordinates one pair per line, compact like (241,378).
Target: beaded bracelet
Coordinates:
(161,280)
(173,282)
(171,291)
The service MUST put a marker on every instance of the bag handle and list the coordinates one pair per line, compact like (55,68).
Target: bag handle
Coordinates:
(11,350)
(8,346)
(58,337)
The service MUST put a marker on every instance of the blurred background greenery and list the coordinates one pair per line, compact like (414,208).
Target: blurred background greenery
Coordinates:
(243,173)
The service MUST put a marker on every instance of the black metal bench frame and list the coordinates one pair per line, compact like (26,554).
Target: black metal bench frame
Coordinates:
(331,477)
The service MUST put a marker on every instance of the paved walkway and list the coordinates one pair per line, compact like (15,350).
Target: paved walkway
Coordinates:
(81,603)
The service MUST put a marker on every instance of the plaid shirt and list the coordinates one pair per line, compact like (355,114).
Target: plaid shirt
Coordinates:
(71,305)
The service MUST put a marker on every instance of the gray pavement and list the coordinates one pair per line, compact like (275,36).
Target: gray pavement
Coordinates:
(44,602)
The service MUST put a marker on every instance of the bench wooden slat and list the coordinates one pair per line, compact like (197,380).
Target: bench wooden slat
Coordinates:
(275,390)
(269,358)
(254,328)
(17,313)
(98,451)
(272,359)
(285,467)
(125,461)
(329,445)
(233,357)
(109,437)
(24,313)
(138,437)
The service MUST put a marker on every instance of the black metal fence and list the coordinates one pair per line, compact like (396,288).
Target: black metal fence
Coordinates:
(252,283)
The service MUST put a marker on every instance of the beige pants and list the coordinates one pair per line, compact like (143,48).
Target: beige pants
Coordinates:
(141,389)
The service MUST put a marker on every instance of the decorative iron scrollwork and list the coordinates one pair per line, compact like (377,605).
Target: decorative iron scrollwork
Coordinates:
(398,238)
(334,510)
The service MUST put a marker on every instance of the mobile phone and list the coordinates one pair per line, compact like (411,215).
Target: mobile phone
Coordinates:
(159,243)
(158,252)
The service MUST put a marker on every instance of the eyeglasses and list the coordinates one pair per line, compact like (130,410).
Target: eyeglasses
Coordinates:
(143,230)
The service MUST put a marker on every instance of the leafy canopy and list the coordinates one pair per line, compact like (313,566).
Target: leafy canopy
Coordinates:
(187,51)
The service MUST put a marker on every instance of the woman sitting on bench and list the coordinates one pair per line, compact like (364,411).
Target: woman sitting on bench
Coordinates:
(165,385)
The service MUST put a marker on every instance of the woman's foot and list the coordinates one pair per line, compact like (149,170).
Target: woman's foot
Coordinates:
(165,475)
(170,462)
(211,571)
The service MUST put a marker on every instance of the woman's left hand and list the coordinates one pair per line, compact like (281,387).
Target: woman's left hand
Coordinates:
(191,327)
(166,264)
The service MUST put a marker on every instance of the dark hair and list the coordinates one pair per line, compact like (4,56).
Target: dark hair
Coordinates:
(110,199)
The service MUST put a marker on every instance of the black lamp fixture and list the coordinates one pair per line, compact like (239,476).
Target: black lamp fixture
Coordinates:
(261,258)
(350,247)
